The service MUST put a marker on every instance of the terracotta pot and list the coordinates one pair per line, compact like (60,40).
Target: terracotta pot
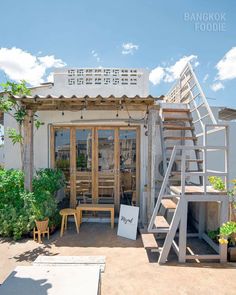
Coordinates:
(42,225)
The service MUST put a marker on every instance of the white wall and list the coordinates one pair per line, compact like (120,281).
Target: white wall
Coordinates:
(41,136)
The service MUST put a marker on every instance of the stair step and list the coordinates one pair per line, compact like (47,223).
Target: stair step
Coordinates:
(175,110)
(191,160)
(176,127)
(168,204)
(180,138)
(149,241)
(189,171)
(171,148)
(161,222)
(177,119)
(187,160)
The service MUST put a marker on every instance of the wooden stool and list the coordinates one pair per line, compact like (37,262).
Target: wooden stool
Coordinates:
(65,213)
(39,233)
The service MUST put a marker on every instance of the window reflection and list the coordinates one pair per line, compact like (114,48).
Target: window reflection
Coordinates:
(84,165)
(128,166)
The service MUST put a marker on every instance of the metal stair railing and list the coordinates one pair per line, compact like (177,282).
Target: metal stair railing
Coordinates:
(205,173)
(188,90)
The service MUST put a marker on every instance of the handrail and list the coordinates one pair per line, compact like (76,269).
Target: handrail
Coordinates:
(205,148)
(179,94)
(163,189)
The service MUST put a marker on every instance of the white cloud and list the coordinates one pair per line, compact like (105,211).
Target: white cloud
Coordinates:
(227,66)
(129,48)
(95,54)
(171,73)
(50,77)
(217,86)
(157,75)
(205,78)
(22,65)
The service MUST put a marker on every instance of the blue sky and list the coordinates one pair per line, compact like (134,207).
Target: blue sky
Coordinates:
(154,34)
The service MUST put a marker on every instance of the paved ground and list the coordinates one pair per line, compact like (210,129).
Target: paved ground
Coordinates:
(128,269)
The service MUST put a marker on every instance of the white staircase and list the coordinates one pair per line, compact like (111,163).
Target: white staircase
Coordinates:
(184,136)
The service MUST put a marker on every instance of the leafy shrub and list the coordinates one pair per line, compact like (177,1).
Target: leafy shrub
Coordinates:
(50,180)
(45,185)
(217,183)
(16,205)
(19,209)
(228,233)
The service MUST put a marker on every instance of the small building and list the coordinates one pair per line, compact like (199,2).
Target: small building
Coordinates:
(115,143)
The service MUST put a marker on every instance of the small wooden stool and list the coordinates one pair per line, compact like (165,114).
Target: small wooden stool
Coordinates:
(65,213)
(39,233)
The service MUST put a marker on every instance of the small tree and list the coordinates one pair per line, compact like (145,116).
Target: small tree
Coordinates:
(15,109)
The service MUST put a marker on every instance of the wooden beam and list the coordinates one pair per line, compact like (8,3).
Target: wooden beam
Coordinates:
(28,157)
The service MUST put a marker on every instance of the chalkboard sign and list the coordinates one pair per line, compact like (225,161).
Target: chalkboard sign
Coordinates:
(128,222)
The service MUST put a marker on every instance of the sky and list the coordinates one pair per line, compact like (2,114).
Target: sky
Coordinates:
(38,36)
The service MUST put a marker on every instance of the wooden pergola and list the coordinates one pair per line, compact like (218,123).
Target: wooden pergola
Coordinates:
(37,103)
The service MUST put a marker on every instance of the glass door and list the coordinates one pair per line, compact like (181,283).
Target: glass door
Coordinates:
(83,158)
(61,155)
(100,164)
(106,165)
(128,166)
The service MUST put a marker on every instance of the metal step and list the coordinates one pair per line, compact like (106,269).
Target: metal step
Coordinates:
(175,110)
(193,138)
(176,127)
(161,224)
(168,204)
(177,119)
(149,241)
(187,160)
(188,171)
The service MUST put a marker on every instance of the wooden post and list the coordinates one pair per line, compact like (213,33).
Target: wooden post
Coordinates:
(28,159)
(152,152)
(224,218)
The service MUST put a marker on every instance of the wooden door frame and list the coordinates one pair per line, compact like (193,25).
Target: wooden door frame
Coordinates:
(94,129)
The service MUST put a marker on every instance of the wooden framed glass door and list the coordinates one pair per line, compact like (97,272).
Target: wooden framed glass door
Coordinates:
(105,165)
(83,164)
(101,164)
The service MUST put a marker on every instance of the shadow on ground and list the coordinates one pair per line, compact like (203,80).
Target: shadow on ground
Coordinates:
(95,235)
(30,286)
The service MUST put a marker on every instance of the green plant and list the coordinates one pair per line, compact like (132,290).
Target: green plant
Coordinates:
(15,109)
(227,233)
(16,205)
(213,234)
(45,206)
(19,208)
(217,183)
(62,163)
(45,185)
(81,161)
(50,180)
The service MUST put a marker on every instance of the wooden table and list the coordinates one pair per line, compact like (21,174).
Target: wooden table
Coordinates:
(95,208)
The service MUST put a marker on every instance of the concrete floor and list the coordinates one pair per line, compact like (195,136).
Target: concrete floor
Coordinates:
(128,268)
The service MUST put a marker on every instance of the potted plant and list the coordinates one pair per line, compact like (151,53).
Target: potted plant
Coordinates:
(41,211)
(46,184)
(228,236)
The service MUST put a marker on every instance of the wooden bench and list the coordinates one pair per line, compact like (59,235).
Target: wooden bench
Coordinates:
(149,241)
(95,208)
